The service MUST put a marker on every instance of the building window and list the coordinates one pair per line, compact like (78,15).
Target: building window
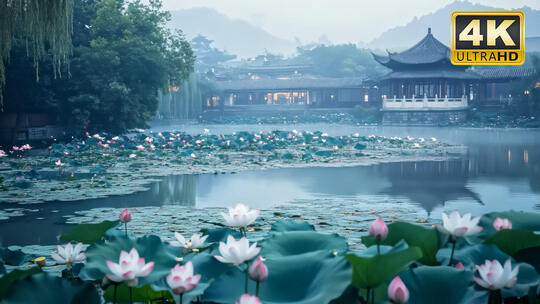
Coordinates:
(366,98)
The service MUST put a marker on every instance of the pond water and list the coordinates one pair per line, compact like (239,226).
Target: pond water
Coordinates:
(500,171)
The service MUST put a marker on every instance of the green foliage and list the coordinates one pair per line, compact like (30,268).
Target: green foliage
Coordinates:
(12,257)
(472,255)
(372,270)
(441,284)
(141,294)
(511,241)
(88,233)
(424,238)
(314,277)
(45,288)
(343,60)
(300,242)
(123,54)
(290,225)
(207,55)
(8,279)
(367,114)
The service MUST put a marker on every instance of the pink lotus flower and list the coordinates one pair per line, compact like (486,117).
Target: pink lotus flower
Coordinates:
(129,269)
(140,147)
(397,291)
(258,271)
(59,163)
(502,223)
(247,299)
(25,147)
(181,278)
(125,216)
(494,276)
(460,266)
(149,140)
(15,148)
(2,153)
(378,230)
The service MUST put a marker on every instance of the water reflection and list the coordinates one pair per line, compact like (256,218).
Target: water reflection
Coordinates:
(500,171)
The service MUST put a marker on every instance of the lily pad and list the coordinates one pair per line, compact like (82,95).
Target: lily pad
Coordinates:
(13,276)
(441,285)
(511,241)
(472,255)
(12,257)
(370,272)
(88,233)
(314,277)
(291,243)
(290,225)
(415,235)
(44,288)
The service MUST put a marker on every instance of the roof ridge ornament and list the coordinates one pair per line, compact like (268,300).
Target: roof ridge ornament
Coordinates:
(429,31)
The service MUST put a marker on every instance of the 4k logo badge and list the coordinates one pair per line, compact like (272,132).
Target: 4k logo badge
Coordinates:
(488,38)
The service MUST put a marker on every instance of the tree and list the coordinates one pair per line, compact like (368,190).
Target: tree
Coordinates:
(343,60)
(123,55)
(208,56)
(526,92)
(40,23)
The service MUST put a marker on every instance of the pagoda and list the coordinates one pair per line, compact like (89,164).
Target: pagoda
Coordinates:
(424,87)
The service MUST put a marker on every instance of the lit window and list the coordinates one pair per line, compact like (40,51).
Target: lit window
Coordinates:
(366,98)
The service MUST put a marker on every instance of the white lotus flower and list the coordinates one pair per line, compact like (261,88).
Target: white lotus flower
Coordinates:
(458,226)
(494,276)
(69,255)
(237,252)
(248,299)
(196,241)
(130,268)
(240,216)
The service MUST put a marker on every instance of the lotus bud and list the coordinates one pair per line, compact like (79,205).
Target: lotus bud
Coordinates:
(502,223)
(460,266)
(248,299)
(258,271)
(397,291)
(125,216)
(378,230)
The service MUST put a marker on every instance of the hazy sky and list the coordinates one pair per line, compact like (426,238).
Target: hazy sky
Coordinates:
(338,19)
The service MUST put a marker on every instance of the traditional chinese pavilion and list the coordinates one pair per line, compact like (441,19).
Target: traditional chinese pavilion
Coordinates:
(424,87)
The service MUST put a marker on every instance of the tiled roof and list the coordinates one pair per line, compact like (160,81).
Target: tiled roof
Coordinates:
(504,72)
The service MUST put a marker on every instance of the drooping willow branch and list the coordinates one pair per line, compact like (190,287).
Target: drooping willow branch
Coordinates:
(46,27)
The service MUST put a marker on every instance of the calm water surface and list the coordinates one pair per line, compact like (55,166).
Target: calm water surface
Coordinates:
(500,171)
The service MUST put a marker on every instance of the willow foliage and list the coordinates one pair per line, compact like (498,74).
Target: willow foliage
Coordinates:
(45,25)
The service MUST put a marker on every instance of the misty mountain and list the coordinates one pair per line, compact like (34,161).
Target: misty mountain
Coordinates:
(238,37)
(402,37)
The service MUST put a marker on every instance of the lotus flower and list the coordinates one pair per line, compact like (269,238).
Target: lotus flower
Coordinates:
(378,230)
(397,291)
(140,147)
(240,216)
(458,226)
(460,266)
(247,299)
(2,153)
(125,216)
(59,163)
(258,271)
(181,278)
(494,276)
(237,252)
(502,223)
(196,241)
(129,269)
(69,255)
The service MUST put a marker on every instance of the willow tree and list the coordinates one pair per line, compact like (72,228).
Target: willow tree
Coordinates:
(45,26)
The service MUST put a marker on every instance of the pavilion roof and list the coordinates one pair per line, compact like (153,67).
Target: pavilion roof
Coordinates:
(429,50)
(504,73)
(433,74)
